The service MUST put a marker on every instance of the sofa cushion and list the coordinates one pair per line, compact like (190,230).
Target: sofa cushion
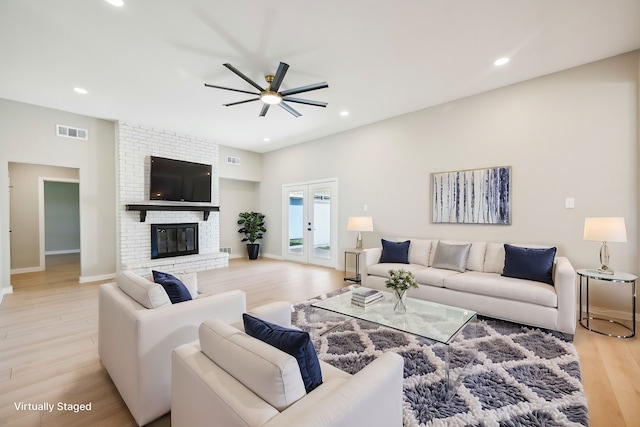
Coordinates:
(420,250)
(529,263)
(451,257)
(143,291)
(270,373)
(395,252)
(176,290)
(433,276)
(508,288)
(292,341)
(190,280)
(494,258)
(382,269)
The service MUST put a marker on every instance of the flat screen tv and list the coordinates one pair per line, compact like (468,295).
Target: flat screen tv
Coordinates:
(179,181)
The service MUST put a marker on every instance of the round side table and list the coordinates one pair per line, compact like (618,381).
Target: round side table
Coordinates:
(618,277)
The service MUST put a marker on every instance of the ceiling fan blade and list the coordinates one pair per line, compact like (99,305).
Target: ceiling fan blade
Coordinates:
(277,79)
(228,88)
(307,88)
(289,109)
(241,102)
(305,101)
(264,110)
(243,77)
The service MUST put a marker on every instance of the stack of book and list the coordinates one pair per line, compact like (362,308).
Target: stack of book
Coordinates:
(365,297)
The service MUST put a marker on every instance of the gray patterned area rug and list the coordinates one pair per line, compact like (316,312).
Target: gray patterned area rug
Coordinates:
(520,376)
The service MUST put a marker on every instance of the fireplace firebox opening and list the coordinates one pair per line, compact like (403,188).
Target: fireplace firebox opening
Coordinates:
(171,240)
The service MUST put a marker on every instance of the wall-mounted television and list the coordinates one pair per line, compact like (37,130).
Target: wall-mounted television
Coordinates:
(180,181)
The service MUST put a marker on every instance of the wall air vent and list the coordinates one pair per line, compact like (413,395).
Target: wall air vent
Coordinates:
(71,132)
(231,160)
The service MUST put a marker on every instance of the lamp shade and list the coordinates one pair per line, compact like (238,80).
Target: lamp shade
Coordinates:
(360,223)
(605,229)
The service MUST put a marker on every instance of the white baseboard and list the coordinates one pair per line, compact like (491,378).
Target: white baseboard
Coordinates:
(26,270)
(63,252)
(5,291)
(86,279)
(271,256)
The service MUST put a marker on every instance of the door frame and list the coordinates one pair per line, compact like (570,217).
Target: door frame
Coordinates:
(332,262)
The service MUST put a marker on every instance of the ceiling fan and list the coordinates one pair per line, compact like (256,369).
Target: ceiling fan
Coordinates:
(270,95)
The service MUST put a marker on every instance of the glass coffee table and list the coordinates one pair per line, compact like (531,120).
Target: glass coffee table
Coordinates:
(436,322)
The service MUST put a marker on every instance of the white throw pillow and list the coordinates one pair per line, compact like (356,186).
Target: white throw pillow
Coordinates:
(143,291)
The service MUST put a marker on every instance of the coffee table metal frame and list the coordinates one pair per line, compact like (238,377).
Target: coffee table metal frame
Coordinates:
(436,322)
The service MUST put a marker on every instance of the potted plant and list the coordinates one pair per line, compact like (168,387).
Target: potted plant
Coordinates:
(400,281)
(252,226)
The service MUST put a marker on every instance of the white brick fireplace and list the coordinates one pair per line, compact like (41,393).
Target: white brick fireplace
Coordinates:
(135,146)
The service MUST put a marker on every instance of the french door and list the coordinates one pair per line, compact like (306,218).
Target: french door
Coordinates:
(310,229)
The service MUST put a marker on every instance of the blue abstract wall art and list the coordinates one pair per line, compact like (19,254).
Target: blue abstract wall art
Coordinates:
(478,196)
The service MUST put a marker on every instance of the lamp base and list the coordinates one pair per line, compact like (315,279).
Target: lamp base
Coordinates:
(605,270)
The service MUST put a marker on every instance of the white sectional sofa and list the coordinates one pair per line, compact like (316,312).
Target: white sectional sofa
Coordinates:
(476,281)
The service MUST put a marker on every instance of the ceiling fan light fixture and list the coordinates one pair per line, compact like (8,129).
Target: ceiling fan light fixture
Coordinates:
(270,97)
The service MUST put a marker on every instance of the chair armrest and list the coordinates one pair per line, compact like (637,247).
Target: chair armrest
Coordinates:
(372,398)
(278,312)
(564,280)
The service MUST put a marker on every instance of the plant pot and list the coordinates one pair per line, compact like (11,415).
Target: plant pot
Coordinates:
(252,250)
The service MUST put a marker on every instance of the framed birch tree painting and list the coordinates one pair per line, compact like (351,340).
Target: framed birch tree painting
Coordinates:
(476,196)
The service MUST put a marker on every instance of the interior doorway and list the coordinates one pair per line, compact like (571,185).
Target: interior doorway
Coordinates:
(310,222)
(31,197)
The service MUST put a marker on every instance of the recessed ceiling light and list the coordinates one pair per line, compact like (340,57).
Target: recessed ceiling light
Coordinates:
(266,139)
(80,90)
(344,113)
(117,3)
(501,61)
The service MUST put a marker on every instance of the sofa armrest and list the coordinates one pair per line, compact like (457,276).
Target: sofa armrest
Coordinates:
(564,280)
(370,256)
(372,398)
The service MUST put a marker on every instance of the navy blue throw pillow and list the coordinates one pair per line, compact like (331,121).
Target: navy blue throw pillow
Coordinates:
(292,341)
(176,290)
(529,263)
(395,252)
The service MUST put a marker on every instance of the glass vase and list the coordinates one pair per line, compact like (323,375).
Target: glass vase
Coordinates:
(400,301)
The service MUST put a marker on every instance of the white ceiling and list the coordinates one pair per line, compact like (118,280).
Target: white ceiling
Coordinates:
(146,63)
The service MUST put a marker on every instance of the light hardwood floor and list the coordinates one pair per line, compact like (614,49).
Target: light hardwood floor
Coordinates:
(48,344)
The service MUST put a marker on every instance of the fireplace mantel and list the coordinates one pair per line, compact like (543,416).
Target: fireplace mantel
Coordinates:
(159,205)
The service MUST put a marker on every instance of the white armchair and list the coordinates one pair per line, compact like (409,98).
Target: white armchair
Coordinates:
(252,384)
(135,342)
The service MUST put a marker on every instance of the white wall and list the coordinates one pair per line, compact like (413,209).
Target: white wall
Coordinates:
(570,134)
(27,135)
(239,192)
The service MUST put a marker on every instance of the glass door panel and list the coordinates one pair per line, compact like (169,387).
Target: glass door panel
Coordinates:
(295,240)
(310,223)
(322,223)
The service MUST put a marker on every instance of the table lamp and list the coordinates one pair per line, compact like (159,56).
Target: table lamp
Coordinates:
(605,229)
(360,224)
